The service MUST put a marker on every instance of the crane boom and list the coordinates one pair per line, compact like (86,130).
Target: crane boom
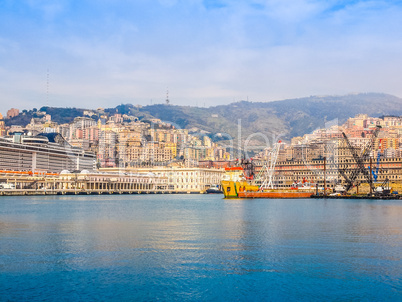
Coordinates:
(360,160)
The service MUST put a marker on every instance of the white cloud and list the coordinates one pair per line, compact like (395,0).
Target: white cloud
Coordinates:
(268,50)
(168,2)
(50,9)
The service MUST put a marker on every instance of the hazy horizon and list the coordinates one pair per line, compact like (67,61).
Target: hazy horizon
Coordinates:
(104,53)
(196,105)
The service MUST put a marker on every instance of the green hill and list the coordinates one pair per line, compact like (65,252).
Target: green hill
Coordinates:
(287,118)
(279,119)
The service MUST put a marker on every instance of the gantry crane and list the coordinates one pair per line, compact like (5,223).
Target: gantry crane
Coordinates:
(360,160)
(375,172)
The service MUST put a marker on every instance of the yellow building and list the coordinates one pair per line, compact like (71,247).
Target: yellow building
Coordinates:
(2,126)
(172,147)
(386,143)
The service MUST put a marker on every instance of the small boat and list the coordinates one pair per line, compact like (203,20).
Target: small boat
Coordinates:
(214,189)
(303,186)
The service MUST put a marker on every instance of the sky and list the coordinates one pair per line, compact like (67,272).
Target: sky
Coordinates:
(102,53)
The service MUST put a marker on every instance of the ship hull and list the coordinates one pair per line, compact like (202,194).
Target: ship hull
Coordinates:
(213,191)
(231,189)
(274,194)
(239,189)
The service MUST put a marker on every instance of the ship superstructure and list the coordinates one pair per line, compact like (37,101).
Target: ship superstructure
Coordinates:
(46,152)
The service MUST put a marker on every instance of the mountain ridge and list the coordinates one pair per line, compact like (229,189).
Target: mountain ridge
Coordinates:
(284,118)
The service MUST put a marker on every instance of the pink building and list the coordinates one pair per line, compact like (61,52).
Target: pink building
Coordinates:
(12,112)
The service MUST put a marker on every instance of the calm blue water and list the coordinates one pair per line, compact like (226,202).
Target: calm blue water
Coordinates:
(199,247)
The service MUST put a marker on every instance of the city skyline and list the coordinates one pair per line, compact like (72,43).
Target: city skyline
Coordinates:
(105,53)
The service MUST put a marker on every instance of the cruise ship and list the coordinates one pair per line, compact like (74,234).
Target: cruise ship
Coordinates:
(43,153)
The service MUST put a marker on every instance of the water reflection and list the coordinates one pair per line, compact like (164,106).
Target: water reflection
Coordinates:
(200,247)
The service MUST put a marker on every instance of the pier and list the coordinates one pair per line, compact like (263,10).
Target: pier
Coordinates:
(20,184)
(33,192)
(376,197)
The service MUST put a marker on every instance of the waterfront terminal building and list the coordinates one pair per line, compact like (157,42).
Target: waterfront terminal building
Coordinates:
(47,164)
(179,179)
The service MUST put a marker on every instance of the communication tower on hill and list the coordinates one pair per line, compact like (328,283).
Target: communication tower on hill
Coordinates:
(167,97)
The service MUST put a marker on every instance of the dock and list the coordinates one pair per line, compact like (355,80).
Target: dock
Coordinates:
(32,192)
(376,197)
(279,195)
(21,184)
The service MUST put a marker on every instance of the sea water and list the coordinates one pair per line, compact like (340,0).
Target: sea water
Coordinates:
(199,248)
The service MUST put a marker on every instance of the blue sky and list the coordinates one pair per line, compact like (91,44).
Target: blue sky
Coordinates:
(108,52)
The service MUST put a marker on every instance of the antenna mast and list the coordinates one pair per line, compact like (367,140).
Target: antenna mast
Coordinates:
(167,97)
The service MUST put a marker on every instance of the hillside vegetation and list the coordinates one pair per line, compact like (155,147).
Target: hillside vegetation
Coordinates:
(279,119)
(287,118)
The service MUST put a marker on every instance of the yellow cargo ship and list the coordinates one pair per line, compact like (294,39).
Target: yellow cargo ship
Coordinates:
(234,182)
(235,185)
